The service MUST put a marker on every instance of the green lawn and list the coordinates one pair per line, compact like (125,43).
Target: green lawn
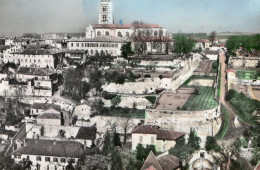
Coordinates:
(225,123)
(247,74)
(202,101)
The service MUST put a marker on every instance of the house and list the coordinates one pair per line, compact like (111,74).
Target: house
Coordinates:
(75,56)
(38,108)
(50,154)
(153,135)
(101,45)
(164,162)
(49,58)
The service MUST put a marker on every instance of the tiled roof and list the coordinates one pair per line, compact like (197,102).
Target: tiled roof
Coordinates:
(35,71)
(169,135)
(39,52)
(161,134)
(44,106)
(151,163)
(76,51)
(257,167)
(72,149)
(4,47)
(98,39)
(165,162)
(146,129)
(126,26)
(49,116)
(87,133)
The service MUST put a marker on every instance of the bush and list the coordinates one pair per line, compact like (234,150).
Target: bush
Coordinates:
(108,96)
(147,76)
(211,144)
(230,94)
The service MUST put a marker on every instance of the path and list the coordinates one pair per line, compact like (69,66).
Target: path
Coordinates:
(232,132)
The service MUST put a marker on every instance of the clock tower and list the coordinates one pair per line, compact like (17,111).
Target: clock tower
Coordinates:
(106,12)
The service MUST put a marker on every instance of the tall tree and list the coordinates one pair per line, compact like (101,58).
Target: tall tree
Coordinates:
(125,123)
(183,45)
(212,37)
(227,151)
(126,50)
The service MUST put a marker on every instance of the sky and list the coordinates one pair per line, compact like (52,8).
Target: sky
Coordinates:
(45,16)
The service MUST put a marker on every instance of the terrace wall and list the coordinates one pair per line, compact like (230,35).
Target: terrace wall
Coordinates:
(205,122)
(243,62)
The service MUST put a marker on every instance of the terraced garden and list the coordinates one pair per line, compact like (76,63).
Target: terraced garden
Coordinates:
(202,100)
(248,74)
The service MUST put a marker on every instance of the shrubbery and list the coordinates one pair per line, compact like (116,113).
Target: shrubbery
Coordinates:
(152,99)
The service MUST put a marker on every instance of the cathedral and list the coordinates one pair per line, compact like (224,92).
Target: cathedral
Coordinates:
(106,37)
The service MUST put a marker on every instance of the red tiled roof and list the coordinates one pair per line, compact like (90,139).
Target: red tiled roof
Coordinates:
(169,135)
(126,26)
(257,167)
(161,134)
(231,70)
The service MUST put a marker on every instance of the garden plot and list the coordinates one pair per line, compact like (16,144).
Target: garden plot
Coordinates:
(203,100)
(248,74)
(174,100)
(201,82)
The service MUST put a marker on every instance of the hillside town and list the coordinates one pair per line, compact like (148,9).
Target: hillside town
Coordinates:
(129,97)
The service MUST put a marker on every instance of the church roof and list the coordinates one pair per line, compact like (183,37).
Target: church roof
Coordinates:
(98,39)
(125,26)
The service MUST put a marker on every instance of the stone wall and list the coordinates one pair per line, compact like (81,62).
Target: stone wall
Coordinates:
(243,62)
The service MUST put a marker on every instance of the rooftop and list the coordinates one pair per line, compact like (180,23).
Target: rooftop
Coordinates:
(39,52)
(97,39)
(45,106)
(49,116)
(160,163)
(87,133)
(35,71)
(161,134)
(72,149)
(126,26)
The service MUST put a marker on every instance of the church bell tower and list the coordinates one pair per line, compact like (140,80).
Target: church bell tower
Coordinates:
(106,12)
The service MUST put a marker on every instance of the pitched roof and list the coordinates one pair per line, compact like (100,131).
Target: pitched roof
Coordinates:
(161,134)
(165,162)
(76,51)
(147,129)
(4,47)
(35,71)
(126,26)
(257,167)
(42,147)
(151,163)
(87,133)
(45,106)
(97,39)
(169,135)
(49,116)
(38,52)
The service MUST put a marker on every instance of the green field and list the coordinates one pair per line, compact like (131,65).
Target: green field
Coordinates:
(201,101)
(248,74)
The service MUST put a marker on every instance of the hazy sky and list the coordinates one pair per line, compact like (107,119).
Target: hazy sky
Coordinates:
(40,16)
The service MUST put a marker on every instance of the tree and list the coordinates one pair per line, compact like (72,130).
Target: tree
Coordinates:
(117,141)
(116,100)
(125,123)
(142,152)
(211,144)
(126,50)
(227,151)
(116,160)
(74,119)
(183,45)
(108,145)
(70,164)
(97,106)
(194,140)
(212,37)
(25,164)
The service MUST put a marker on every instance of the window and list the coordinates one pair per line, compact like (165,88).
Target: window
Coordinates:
(152,140)
(107,33)
(91,52)
(98,33)
(63,160)
(71,44)
(82,44)
(47,159)
(160,33)
(140,139)
(77,44)
(15,156)
(155,33)
(55,159)
(119,34)
(38,158)
(127,34)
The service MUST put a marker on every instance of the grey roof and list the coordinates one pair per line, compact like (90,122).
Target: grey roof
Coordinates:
(49,116)
(35,71)
(98,39)
(87,133)
(55,148)
(45,106)
(39,52)
(76,51)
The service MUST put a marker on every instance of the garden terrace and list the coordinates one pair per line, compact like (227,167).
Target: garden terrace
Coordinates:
(204,67)
(174,100)
(203,100)
(248,74)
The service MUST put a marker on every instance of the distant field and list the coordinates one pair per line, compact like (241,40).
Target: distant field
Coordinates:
(247,74)
(202,101)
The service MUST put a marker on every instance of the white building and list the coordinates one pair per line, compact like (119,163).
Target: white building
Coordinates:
(153,135)
(98,45)
(50,154)
(35,58)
